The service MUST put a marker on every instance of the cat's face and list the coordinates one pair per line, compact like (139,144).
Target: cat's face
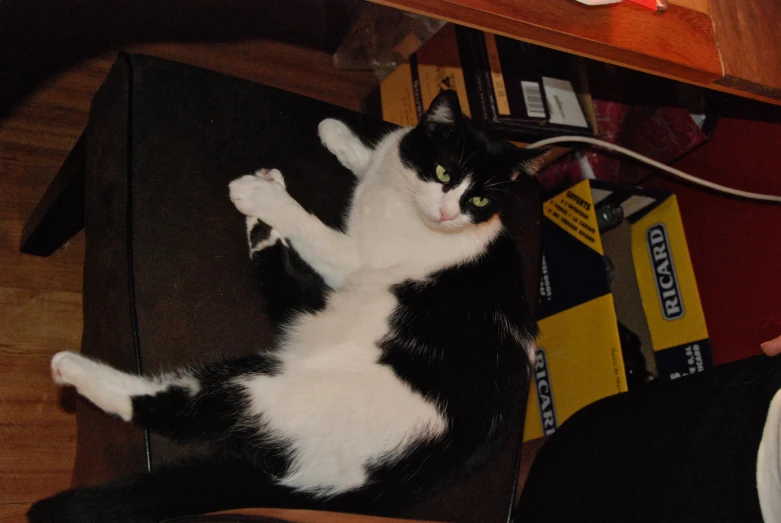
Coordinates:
(461,176)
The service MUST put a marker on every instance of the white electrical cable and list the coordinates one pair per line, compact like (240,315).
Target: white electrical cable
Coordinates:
(658,165)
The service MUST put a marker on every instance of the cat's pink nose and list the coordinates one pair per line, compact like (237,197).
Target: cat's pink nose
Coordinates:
(444,216)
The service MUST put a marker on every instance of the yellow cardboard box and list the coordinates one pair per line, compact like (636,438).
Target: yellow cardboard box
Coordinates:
(639,273)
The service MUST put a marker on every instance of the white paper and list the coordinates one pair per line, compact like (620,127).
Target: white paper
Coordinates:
(599,194)
(635,204)
(563,103)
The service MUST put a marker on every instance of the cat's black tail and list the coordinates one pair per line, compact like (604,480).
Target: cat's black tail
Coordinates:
(187,489)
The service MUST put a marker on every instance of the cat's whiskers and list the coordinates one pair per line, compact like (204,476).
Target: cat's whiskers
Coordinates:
(463,148)
(488,186)
(511,193)
(462,165)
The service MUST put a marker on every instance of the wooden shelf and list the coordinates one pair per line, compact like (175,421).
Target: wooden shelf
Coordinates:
(721,44)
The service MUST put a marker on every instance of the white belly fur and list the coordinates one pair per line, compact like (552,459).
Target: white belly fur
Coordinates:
(333,402)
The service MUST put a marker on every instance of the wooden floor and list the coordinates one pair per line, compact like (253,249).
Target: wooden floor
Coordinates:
(40,298)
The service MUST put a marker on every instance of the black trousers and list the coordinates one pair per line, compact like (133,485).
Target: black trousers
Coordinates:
(679,451)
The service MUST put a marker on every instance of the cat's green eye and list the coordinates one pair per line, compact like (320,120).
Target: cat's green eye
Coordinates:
(442,174)
(479,201)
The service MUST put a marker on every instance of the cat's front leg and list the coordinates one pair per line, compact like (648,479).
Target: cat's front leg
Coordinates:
(331,253)
(345,145)
(263,195)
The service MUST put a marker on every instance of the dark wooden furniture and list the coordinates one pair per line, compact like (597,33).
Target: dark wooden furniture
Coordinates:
(727,45)
(167,281)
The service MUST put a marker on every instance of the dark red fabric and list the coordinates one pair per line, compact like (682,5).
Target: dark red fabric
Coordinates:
(735,245)
(637,111)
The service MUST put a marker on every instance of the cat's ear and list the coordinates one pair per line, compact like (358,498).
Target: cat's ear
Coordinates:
(530,161)
(445,109)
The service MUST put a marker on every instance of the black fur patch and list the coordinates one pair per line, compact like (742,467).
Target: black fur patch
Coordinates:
(445,343)
(454,311)
(260,232)
(289,285)
(216,413)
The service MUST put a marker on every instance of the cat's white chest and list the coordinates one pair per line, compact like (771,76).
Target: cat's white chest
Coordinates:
(378,226)
(333,402)
(388,233)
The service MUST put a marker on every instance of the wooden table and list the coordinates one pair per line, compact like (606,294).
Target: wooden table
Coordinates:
(729,45)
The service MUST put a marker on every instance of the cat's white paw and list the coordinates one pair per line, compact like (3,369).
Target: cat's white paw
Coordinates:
(345,145)
(272,175)
(263,195)
(69,368)
(106,387)
(257,194)
(333,133)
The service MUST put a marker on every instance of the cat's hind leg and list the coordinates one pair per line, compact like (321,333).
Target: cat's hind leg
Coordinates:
(109,389)
(290,286)
(345,145)
(194,405)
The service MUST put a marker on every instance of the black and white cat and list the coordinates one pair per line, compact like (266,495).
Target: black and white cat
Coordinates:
(403,342)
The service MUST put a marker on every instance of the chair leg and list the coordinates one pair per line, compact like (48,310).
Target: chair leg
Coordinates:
(60,213)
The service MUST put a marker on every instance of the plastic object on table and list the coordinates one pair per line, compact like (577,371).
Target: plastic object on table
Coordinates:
(656,5)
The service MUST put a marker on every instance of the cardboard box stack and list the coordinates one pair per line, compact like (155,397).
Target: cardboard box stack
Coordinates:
(619,302)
